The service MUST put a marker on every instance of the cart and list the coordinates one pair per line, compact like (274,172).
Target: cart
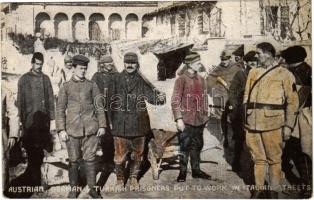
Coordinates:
(163,146)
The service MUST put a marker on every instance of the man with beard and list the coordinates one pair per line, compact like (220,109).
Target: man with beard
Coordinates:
(299,147)
(271,103)
(130,118)
(218,83)
(80,123)
(35,102)
(104,79)
(189,106)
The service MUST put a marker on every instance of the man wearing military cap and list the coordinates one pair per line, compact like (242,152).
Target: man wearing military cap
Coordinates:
(218,83)
(130,118)
(299,146)
(104,79)
(271,103)
(80,124)
(190,110)
(235,93)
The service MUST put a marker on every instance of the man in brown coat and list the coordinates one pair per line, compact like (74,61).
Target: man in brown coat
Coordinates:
(80,121)
(190,109)
(271,102)
(35,102)
(130,118)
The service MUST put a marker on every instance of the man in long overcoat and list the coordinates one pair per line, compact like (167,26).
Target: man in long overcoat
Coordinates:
(35,102)
(130,118)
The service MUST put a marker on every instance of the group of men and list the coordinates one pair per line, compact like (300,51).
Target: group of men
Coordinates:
(269,102)
(267,96)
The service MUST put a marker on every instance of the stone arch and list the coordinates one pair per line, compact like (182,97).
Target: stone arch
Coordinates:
(95,26)
(145,25)
(61,25)
(115,26)
(39,19)
(132,27)
(78,31)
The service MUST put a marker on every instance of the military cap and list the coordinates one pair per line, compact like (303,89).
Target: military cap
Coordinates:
(192,57)
(130,58)
(250,56)
(294,54)
(80,60)
(225,55)
(105,59)
(239,51)
(67,59)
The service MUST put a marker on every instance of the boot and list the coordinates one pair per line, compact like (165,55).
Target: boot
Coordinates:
(133,184)
(73,178)
(257,194)
(120,176)
(182,176)
(200,174)
(90,171)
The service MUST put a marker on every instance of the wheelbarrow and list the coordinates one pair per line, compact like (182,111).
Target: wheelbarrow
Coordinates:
(164,145)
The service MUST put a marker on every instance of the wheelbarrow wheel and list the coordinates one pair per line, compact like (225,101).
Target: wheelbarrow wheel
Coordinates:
(153,163)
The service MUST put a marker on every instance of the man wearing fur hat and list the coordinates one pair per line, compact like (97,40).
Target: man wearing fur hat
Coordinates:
(130,118)
(299,147)
(190,110)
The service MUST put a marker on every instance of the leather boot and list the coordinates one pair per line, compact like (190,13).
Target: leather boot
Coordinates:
(90,171)
(133,184)
(120,168)
(200,174)
(257,194)
(182,176)
(73,178)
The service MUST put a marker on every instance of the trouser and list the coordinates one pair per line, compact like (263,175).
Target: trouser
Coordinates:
(124,146)
(224,122)
(266,149)
(82,147)
(238,137)
(191,143)
(302,161)
(35,157)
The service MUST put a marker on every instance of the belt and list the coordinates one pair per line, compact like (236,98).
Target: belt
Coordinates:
(265,106)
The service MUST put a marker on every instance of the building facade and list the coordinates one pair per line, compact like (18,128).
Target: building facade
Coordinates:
(78,21)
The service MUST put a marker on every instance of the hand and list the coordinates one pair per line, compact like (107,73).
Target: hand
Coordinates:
(101,132)
(11,142)
(110,126)
(180,125)
(52,125)
(161,97)
(286,133)
(63,135)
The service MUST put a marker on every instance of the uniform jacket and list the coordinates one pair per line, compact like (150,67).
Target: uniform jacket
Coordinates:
(34,95)
(104,82)
(80,108)
(189,99)
(277,88)
(129,114)
(226,73)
